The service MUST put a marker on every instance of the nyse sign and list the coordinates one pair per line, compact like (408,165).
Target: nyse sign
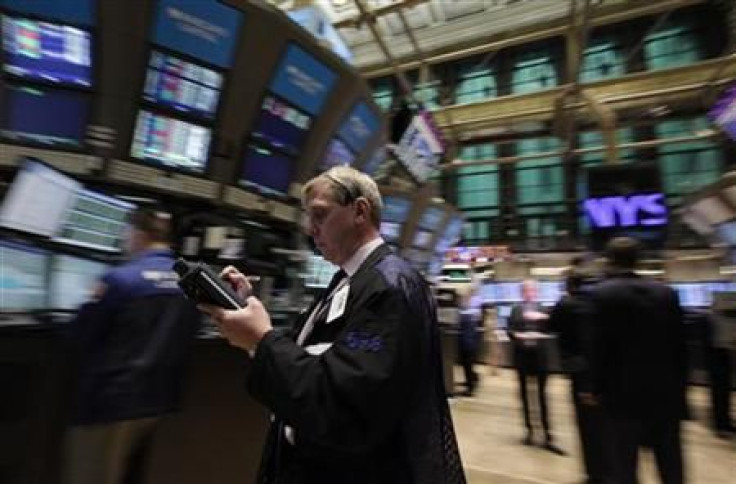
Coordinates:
(646,210)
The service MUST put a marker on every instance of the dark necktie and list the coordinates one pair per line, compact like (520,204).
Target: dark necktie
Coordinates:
(336,281)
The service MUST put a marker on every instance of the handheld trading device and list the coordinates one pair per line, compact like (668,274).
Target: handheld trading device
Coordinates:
(201,284)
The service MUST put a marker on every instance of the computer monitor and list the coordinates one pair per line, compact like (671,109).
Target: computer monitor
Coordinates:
(170,142)
(337,153)
(359,126)
(76,12)
(183,86)
(38,199)
(22,278)
(266,170)
(42,116)
(46,52)
(95,221)
(281,126)
(72,281)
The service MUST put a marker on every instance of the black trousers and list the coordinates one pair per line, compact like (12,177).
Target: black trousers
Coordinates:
(467,359)
(541,377)
(592,432)
(627,435)
(719,369)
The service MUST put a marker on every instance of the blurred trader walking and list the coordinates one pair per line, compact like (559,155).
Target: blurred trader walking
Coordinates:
(132,344)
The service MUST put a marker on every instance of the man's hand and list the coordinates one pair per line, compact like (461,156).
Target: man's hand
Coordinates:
(243,328)
(238,281)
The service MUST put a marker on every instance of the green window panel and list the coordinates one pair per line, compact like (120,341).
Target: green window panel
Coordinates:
(533,72)
(429,94)
(475,84)
(541,209)
(603,59)
(540,180)
(476,232)
(672,46)
(478,185)
(383,93)
(589,139)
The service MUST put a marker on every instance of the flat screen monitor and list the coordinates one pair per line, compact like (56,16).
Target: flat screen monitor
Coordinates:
(80,12)
(390,231)
(375,161)
(22,278)
(170,142)
(337,153)
(693,294)
(508,292)
(47,52)
(267,170)
(431,218)
(303,80)
(72,281)
(359,127)
(205,29)
(395,209)
(38,199)
(183,86)
(281,126)
(451,234)
(95,221)
(319,272)
(48,117)
(422,238)
(549,291)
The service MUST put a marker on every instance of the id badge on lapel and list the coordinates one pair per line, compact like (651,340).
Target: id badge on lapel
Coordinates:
(338,303)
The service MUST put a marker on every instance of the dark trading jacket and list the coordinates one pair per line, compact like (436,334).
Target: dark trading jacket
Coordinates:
(132,345)
(370,409)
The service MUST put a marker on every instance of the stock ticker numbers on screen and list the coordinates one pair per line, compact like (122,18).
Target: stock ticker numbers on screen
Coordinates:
(182,85)
(170,142)
(23,277)
(281,126)
(47,52)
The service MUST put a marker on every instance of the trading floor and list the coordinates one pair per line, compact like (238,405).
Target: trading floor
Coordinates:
(489,428)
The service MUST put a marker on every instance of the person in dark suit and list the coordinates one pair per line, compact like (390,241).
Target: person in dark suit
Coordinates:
(132,344)
(469,337)
(571,321)
(639,365)
(356,388)
(527,323)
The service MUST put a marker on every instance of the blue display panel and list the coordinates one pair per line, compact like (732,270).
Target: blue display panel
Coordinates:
(37,200)
(183,86)
(281,126)
(95,221)
(22,278)
(266,170)
(73,11)
(726,232)
(390,231)
(170,142)
(72,281)
(303,80)
(395,209)
(550,291)
(44,116)
(337,153)
(374,162)
(359,127)
(450,235)
(47,52)
(205,29)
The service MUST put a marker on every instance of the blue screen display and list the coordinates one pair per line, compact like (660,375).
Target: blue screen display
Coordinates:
(171,142)
(205,29)
(281,126)
(73,11)
(267,170)
(303,80)
(359,127)
(23,278)
(44,116)
(47,52)
(432,218)
(337,154)
(374,162)
(395,209)
(182,85)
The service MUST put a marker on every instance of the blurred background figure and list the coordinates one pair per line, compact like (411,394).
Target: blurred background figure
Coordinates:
(719,344)
(570,320)
(132,344)
(639,365)
(469,321)
(527,325)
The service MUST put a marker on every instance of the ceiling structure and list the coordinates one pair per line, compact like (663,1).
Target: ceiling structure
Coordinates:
(389,37)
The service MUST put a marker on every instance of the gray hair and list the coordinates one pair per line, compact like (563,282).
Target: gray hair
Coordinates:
(347,185)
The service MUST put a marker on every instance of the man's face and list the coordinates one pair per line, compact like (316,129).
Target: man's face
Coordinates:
(529,291)
(331,225)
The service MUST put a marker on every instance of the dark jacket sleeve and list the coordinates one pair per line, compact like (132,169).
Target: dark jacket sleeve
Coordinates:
(343,403)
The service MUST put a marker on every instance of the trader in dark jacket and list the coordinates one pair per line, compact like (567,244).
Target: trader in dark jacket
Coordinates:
(469,338)
(527,327)
(639,365)
(132,344)
(356,389)
(571,321)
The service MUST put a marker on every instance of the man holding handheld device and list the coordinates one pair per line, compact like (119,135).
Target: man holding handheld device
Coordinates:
(356,387)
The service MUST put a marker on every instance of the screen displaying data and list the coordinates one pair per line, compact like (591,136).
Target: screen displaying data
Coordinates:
(281,126)
(96,221)
(22,278)
(337,153)
(49,117)
(266,170)
(38,199)
(47,52)
(183,86)
(72,281)
(170,142)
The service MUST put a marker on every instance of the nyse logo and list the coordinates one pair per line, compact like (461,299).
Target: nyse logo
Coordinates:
(619,211)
